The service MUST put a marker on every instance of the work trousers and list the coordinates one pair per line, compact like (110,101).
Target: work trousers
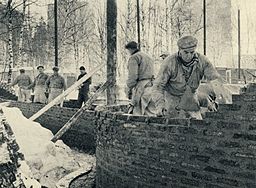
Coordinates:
(24,95)
(53,93)
(39,94)
(82,98)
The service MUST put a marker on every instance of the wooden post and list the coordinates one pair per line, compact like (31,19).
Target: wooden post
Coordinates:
(204,13)
(111,50)
(65,93)
(239,47)
(74,118)
(138,22)
(56,31)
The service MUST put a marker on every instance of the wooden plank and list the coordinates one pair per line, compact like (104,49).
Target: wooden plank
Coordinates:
(74,118)
(66,92)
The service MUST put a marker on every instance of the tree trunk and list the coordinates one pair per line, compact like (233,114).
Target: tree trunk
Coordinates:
(31,57)
(142,23)
(167,25)
(149,24)
(19,59)
(155,31)
(10,40)
(111,50)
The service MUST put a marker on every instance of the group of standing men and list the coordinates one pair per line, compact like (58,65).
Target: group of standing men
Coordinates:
(44,86)
(174,91)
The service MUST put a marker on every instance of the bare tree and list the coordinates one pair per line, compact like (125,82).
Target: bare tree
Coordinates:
(75,29)
(23,15)
(10,39)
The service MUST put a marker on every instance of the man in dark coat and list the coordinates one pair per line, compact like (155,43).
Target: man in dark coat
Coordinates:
(84,88)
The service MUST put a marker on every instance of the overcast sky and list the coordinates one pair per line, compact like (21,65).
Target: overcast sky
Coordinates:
(248,24)
(248,20)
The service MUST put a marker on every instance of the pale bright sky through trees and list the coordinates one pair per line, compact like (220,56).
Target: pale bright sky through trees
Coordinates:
(248,21)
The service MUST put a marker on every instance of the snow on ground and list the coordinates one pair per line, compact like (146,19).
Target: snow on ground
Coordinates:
(48,161)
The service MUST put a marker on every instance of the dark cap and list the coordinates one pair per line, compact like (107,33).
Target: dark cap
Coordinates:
(22,70)
(131,45)
(187,42)
(40,66)
(82,68)
(55,68)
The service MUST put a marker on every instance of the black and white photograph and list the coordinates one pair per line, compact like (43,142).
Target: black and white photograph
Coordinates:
(127,94)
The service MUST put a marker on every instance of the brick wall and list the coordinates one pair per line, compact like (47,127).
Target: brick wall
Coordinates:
(82,135)
(218,152)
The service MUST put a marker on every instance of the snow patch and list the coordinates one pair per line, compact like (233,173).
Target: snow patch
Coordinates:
(48,162)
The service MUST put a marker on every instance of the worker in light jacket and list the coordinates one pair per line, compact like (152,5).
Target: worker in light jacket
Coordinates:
(55,84)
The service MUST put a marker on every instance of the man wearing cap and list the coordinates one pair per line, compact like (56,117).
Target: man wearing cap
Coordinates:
(140,76)
(180,76)
(23,81)
(39,86)
(84,88)
(55,84)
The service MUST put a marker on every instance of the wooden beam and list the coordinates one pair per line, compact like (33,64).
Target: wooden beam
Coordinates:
(74,118)
(65,93)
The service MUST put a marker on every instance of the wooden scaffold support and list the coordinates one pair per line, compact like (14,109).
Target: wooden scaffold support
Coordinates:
(74,118)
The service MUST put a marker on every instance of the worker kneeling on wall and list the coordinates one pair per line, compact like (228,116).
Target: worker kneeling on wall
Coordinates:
(180,75)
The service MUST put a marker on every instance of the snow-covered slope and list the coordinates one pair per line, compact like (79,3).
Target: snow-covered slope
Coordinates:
(48,161)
